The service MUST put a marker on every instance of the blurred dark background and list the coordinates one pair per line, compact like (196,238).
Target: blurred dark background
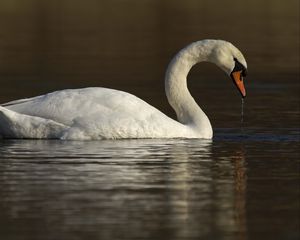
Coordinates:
(126,44)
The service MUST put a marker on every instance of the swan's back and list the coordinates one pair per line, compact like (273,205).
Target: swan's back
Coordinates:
(67,105)
(99,113)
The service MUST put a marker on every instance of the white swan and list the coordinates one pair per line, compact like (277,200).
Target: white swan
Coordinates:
(101,113)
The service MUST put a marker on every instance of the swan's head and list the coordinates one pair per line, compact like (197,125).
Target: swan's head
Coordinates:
(232,61)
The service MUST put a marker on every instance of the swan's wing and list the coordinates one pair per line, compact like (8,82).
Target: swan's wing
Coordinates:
(67,105)
(16,125)
(19,101)
(100,113)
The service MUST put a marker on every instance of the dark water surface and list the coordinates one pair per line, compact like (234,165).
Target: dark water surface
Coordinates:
(234,187)
(244,184)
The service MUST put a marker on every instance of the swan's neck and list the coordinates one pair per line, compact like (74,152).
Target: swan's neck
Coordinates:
(187,110)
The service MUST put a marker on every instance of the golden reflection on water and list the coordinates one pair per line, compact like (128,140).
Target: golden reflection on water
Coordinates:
(182,189)
(182,180)
(230,196)
(240,179)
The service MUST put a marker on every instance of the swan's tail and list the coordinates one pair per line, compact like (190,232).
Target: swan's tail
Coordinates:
(16,125)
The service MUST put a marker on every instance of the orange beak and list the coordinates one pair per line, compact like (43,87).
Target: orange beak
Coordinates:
(238,81)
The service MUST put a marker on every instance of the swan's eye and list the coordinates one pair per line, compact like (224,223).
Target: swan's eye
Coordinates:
(239,67)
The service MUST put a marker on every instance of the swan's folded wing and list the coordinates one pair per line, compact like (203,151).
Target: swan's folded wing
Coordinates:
(66,105)
(90,113)
(16,125)
(19,101)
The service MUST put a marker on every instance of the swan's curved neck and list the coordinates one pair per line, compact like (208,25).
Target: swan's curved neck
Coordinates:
(187,110)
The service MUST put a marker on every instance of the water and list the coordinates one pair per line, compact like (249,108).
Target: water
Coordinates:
(243,184)
(234,187)
(242,111)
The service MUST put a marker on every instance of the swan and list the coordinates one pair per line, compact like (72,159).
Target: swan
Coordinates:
(102,113)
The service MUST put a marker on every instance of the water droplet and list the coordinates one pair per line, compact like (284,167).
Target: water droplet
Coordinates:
(242,117)
(242,112)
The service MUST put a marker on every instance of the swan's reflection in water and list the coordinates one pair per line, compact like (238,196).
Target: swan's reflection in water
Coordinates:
(151,189)
(240,178)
